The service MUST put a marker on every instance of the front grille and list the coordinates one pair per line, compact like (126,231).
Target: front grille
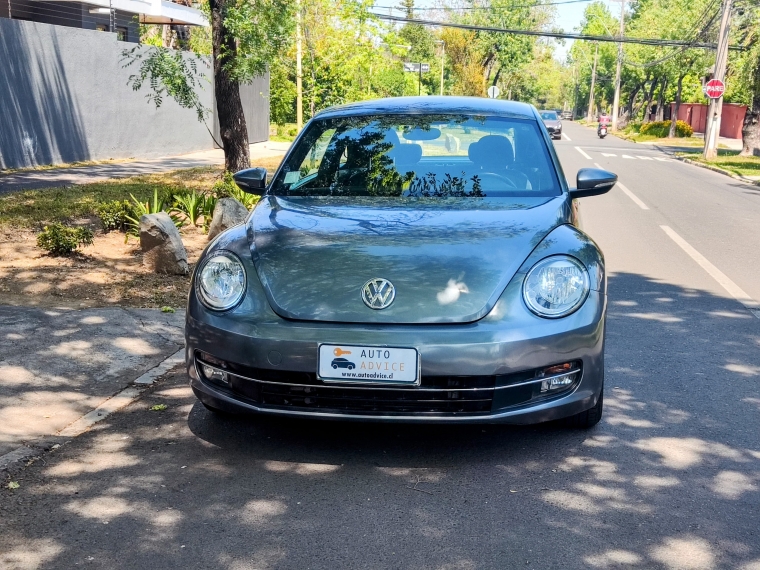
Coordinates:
(435,396)
(377,400)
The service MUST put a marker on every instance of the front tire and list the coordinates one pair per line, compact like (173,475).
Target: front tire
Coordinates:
(589,418)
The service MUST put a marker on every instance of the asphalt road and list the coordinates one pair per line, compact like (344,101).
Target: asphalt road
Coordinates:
(670,479)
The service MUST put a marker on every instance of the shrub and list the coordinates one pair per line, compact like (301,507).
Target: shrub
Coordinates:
(683,129)
(226,187)
(142,208)
(113,215)
(61,240)
(207,210)
(189,204)
(661,129)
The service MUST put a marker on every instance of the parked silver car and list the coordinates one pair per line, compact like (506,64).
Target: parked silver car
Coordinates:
(412,259)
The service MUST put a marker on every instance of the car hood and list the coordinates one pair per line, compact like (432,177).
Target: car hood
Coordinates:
(448,259)
(552,124)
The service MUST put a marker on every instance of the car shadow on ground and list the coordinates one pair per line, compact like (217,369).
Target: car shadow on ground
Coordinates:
(669,479)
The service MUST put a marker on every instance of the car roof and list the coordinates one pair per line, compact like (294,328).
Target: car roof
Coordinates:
(433,104)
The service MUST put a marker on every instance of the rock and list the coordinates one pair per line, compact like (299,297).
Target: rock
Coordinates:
(161,244)
(227,213)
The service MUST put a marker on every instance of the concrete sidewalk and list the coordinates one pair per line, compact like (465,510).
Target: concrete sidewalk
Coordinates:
(56,365)
(31,179)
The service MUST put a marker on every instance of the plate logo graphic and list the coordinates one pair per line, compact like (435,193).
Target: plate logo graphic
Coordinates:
(378,293)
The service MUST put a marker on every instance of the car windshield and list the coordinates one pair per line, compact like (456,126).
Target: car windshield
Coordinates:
(425,156)
(548,115)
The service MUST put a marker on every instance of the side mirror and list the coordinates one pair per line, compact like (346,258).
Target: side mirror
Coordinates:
(592,182)
(251,180)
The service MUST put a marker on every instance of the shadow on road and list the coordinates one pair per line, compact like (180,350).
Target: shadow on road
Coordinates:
(668,480)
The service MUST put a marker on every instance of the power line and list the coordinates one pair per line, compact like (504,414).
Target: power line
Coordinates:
(492,8)
(558,35)
(695,32)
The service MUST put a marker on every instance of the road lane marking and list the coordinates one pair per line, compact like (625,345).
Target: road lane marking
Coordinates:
(644,157)
(661,159)
(633,196)
(608,154)
(580,150)
(723,280)
(567,138)
(597,165)
(628,156)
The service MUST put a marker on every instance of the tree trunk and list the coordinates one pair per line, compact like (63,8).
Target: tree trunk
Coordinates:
(637,106)
(751,126)
(232,127)
(650,96)
(632,99)
(674,117)
(660,100)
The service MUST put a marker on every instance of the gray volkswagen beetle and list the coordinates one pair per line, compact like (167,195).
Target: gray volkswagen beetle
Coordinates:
(413,260)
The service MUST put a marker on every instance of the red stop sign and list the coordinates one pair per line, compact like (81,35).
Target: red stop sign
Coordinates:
(714,88)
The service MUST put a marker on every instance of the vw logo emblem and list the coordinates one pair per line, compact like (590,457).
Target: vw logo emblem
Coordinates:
(378,293)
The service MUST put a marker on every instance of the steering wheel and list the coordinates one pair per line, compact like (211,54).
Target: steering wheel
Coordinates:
(497,177)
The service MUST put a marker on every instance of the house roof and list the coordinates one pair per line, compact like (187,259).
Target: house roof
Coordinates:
(154,11)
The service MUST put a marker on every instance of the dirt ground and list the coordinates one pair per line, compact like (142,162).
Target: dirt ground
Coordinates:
(109,272)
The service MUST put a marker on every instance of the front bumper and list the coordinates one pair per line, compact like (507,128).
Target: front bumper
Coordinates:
(283,354)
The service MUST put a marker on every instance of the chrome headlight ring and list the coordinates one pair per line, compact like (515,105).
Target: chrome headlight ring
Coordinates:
(221,281)
(556,286)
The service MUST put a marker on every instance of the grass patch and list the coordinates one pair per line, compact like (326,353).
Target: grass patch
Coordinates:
(283,133)
(76,164)
(729,160)
(664,141)
(32,209)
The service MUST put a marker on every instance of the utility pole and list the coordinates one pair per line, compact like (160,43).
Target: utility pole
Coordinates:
(616,100)
(715,108)
(299,69)
(590,116)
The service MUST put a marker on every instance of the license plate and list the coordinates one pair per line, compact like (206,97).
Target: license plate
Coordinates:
(368,364)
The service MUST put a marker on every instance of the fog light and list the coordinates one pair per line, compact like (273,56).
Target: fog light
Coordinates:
(214,374)
(559,376)
(559,382)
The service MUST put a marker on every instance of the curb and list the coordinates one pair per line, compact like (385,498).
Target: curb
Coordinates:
(28,452)
(716,169)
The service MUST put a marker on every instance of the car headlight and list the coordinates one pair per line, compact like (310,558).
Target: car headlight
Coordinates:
(556,286)
(221,281)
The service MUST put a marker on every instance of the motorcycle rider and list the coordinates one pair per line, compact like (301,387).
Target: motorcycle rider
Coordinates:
(604,121)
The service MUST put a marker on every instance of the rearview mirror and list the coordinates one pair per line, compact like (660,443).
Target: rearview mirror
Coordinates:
(251,180)
(418,134)
(592,182)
